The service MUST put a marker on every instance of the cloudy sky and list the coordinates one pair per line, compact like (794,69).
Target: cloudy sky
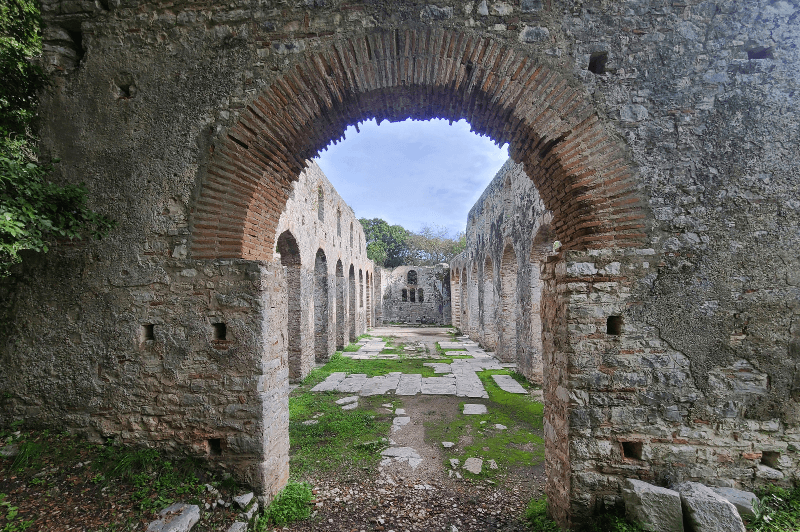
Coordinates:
(413,173)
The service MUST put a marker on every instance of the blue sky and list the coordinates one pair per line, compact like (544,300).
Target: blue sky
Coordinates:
(413,173)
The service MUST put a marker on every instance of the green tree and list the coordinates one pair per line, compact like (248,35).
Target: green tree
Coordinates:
(33,211)
(386,244)
(432,245)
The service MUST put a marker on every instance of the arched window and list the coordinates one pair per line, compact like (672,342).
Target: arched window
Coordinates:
(412,277)
(413,295)
(420,295)
(404,294)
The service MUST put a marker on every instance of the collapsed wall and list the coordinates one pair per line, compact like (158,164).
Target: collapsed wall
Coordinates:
(416,295)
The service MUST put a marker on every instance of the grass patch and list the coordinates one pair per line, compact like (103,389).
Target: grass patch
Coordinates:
(536,516)
(516,445)
(371,368)
(351,348)
(340,439)
(777,510)
(289,505)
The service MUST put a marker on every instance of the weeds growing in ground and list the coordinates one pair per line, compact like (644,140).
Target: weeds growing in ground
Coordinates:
(337,439)
(515,445)
(610,521)
(290,504)
(777,510)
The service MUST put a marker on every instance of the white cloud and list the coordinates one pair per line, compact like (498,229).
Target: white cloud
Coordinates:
(413,173)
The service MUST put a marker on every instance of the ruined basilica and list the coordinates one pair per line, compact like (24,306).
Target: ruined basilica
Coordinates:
(655,140)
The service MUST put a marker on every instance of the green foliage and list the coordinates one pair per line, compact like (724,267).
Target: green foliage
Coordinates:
(536,516)
(20,40)
(433,245)
(290,505)
(12,525)
(777,510)
(386,244)
(33,211)
(611,521)
(28,456)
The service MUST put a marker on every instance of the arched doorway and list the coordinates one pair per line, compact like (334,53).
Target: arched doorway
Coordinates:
(582,172)
(351,317)
(507,345)
(321,316)
(341,295)
(489,307)
(290,258)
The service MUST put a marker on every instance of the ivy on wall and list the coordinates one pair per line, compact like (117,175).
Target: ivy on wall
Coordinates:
(34,212)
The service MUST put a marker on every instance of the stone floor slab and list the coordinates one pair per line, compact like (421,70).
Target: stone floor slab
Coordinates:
(352,383)
(330,384)
(381,384)
(508,384)
(474,409)
(439,385)
(473,465)
(438,367)
(410,384)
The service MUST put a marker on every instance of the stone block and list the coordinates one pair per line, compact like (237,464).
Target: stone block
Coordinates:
(178,517)
(742,500)
(705,511)
(656,509)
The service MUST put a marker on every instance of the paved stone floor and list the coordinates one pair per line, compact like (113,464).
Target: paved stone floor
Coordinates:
(458,378)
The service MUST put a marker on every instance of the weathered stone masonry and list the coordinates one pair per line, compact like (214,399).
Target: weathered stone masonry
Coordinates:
(190,121)
(416,294)
(326,240)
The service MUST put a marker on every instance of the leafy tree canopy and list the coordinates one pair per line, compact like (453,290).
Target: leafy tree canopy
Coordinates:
(386,244)
(392,245)
(33,211)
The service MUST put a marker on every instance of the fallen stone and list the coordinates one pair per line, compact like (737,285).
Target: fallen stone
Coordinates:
(249,513)
(454,463)
(401,454)
(473,409)
(656,509)
(347,400)
(238,526)
(310,422)
(768,473)
(243,500)
(705,511)
(498,426)
(508,384)
(178,517)
(492,464)
(400,411)
(401,420)
(212,490)
(351,406)
(473,465)
(9,451)
(447,444)
(742,500)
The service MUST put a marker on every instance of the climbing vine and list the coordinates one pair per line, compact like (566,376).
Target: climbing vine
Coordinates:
(34,212)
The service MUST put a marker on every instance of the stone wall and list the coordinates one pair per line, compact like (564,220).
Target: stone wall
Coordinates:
(663,126)
(416,295)
(183,355)
(509,231)
(326,241)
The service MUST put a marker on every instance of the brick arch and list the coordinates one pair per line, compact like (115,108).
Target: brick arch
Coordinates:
(582,173)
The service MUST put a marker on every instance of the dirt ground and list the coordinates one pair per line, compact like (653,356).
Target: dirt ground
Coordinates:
(428,497)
